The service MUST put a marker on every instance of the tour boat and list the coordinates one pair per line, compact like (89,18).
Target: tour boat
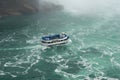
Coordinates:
(55,39)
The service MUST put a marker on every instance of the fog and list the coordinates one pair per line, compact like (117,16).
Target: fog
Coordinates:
(89,7)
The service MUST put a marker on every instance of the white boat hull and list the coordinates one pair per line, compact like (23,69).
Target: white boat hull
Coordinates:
(55,43)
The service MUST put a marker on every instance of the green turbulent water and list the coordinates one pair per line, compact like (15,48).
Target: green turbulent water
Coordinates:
(93,54)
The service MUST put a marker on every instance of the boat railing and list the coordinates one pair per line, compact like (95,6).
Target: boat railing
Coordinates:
(53,41)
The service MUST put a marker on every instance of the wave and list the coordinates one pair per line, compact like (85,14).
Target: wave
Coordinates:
(24,48)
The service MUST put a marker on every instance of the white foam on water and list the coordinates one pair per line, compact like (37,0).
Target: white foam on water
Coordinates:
(2,72)
(25,48)
(30,59)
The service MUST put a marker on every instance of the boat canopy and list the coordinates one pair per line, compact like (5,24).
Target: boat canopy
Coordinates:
(51,37)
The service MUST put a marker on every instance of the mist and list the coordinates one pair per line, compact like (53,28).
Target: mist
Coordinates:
(89,7)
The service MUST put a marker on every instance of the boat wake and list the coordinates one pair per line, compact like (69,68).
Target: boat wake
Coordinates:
(25,48)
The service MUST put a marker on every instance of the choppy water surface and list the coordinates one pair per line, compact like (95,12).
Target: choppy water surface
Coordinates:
(92,55)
